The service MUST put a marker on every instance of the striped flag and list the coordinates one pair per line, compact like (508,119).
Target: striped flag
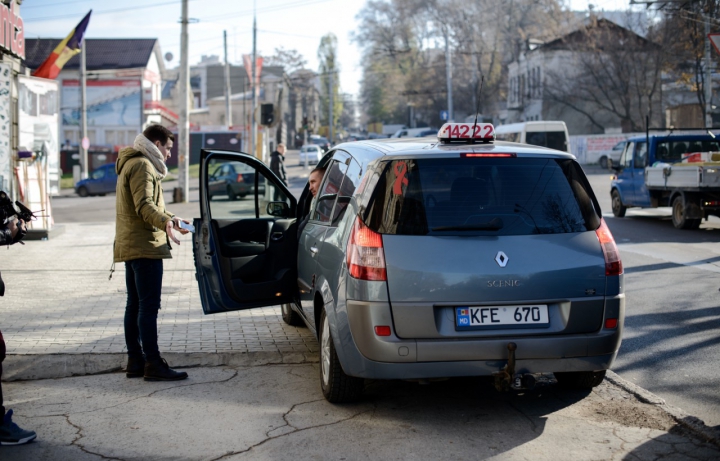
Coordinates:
(64,51)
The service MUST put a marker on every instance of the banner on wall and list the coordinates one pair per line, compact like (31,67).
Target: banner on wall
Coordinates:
(38,126)
(113,103)
(5,147)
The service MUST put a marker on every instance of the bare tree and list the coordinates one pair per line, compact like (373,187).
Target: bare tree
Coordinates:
(608,74)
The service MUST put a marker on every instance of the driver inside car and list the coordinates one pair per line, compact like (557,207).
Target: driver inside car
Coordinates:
(307,201)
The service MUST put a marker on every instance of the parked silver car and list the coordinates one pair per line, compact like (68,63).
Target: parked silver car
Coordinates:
(420,259)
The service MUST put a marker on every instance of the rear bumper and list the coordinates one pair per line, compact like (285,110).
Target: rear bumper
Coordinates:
(391,357)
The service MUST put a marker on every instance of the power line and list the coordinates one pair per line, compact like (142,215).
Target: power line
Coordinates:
(95,13)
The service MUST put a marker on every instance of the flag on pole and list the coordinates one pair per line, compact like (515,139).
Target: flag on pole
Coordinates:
(68,48)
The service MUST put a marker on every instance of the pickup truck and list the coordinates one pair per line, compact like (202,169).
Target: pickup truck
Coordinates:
(667,174)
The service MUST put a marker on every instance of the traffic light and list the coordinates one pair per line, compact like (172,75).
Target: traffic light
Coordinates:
(266,114)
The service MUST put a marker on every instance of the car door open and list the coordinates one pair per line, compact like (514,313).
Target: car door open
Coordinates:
(245,250)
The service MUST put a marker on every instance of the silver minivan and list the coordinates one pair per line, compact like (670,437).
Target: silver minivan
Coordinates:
(420,259)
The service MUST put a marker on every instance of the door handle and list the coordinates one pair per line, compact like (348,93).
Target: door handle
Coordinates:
(314,251)
(277,236)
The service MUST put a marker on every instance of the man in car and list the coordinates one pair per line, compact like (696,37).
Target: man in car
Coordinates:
(10,433)
(307,200)
(143,231)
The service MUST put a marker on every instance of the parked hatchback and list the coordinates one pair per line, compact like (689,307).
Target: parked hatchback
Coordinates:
(421,259)
(235,180)
(310,153)
(101,181)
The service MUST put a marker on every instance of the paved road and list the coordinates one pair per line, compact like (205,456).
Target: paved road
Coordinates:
(672,328)
(276,412)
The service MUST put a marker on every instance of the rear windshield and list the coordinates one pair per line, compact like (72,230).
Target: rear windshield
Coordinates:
(552,139)
(481,196)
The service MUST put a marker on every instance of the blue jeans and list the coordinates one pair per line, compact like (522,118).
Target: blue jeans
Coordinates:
(143,278)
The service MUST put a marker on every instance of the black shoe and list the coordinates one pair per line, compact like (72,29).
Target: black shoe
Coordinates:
(159,370)
(135,368)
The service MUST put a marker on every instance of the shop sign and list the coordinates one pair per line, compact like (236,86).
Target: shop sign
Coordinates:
(12,33)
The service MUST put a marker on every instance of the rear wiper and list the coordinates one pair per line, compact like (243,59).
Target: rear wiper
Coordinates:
(494,224)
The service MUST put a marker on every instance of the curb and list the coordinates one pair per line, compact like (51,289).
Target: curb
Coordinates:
(692,423)
(53,366)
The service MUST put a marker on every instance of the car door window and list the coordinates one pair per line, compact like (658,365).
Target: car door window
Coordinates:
(99,174)
(640,159)
(347,189)
(247,196)
(325,200)
(626,159)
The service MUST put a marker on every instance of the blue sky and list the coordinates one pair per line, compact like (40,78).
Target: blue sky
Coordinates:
(292,24)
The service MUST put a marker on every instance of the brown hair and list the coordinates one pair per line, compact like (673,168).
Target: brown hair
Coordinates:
(319,170)
(157,132)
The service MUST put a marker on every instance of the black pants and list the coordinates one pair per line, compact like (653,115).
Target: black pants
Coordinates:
(143,278)
(2,357)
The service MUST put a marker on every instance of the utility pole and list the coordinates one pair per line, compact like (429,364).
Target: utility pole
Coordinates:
(708,77)
(448,73)
(330,108)
(253,86)
(228,106)
(83,113)
(184,124)
(244,119)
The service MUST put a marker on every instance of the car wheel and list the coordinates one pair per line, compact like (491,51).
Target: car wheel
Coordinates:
(603,162)
(291,317)
(82,191)
(580,379)
(618,208)
(678,215)
(231,195)
(337,387)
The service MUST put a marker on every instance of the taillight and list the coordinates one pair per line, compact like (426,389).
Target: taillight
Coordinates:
(240,178)
(488,154)
(365,256)
(613,265)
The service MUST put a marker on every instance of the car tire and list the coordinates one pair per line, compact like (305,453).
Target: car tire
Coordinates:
(337,387)
(231,195)
(678,215)
(618,208)
(83,192)
(603,162)
(580,379)
(291,317)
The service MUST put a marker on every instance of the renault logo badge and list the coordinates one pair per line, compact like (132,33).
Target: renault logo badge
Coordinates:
(501,258)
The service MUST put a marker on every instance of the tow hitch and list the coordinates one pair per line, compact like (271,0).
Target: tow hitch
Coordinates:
(507,379)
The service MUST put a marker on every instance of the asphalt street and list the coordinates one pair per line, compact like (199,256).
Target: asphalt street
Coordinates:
(671,338)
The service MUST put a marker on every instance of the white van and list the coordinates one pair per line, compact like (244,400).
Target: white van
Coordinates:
(552,134)
(409,132)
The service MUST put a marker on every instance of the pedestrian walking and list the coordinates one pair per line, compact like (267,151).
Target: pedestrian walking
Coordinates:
(10,433)
(143,231)
(277,163)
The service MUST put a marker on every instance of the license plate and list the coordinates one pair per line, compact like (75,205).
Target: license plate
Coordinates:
(488,317)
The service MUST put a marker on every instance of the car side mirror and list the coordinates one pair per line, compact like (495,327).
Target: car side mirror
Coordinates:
(616,168)
(278,209)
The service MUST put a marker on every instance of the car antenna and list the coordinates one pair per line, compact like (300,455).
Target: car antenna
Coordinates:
(477,108)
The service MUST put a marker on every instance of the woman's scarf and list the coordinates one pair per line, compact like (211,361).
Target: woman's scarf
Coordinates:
(151,151)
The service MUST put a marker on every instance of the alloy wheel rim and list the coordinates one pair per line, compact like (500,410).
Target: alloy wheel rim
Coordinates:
(325,352)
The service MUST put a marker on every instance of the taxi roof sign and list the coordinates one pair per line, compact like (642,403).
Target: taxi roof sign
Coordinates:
(466,133)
